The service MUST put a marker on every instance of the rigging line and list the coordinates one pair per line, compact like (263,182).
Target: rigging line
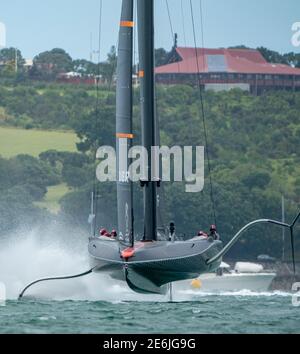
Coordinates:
(202,26)
(114,67)
(170,20)
(99,59)
(202,106)
(172,32)
(97,111)
(115,64)
(183,23)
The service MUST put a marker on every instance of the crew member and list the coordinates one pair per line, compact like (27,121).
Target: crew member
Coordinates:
(213,233)
(114,234)
(202,234)
(104,233)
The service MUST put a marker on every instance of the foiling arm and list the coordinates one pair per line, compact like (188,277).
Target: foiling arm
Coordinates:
(54,278)
(249,226)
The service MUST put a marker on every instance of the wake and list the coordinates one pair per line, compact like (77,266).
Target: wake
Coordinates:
(29,256)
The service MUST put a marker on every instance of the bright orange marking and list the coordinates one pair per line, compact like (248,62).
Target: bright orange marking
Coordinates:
(127,24)
(128,253)
(125,136)
(141,73)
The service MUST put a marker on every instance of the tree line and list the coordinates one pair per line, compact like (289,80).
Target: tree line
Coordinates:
(50,64)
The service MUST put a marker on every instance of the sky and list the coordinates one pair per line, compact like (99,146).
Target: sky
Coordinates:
(35,26)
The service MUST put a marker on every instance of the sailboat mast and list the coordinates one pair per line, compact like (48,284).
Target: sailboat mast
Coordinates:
(147,87)
(124,132)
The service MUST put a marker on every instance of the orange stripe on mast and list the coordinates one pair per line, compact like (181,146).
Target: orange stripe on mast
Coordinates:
(127,24)
(124,136)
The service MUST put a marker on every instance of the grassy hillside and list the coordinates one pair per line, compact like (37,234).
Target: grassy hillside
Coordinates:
(52,198)
(32,142)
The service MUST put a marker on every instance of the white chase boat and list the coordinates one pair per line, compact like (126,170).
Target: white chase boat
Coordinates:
(244,276)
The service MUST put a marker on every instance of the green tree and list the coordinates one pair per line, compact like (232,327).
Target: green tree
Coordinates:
(257,179)
(96,129)
(271,56)
(28,173)
(109,67)
(11,61)
(48,65)
(85,67)
(161,56)
(293,59)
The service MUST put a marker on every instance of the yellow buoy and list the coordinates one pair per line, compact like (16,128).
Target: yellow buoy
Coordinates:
(196,284)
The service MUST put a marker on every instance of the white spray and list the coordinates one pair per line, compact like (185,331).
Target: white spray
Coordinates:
(28,256)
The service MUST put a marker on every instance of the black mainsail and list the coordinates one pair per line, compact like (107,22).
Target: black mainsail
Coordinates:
(124,133)
(146,73)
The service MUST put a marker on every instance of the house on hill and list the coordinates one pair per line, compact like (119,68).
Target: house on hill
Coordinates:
(225,69)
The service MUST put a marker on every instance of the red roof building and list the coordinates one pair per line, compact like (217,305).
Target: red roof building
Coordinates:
(224,69)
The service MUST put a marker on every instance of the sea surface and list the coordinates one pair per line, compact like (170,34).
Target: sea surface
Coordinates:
(242,313)
(97,304)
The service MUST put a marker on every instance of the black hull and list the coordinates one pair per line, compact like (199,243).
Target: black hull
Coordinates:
(155,264)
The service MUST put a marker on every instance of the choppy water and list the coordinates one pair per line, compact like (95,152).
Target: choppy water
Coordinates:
(209,314)
(98,305)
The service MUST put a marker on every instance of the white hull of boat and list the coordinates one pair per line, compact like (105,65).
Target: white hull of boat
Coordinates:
(228,282)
